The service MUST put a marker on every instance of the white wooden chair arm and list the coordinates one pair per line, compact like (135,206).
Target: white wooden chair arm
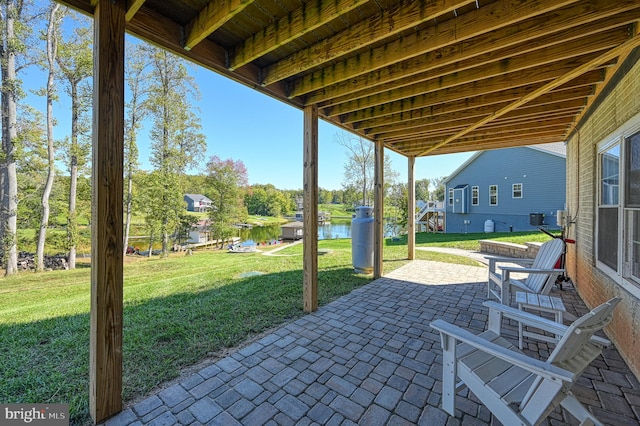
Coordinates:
(548,371)
(527,318)
(531,270)
(496,259)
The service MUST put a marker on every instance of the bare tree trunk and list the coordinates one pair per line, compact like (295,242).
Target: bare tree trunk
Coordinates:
(9,205)
(151,243)
(72,221)
(51,58)
(127,207)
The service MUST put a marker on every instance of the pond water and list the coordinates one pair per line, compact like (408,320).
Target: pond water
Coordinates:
(337,228)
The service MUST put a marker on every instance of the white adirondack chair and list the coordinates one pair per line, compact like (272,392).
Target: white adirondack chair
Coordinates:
(540,271)
(518,389)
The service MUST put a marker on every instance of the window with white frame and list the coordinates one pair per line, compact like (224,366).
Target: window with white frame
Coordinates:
(618,221)
(632,207)
(493,195)
(516,190)
(450,196)
(475,195)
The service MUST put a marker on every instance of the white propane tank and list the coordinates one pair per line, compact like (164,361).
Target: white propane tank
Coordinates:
(362,240)
(489,226)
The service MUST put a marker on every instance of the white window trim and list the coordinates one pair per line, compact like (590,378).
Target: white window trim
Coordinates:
(477,189)
(490,204)
(618,136)
(451,196)
(513,190)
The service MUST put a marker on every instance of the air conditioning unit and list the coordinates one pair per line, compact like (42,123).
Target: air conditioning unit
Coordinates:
(561,218)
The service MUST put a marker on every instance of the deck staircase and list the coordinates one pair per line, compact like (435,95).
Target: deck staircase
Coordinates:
(431,215)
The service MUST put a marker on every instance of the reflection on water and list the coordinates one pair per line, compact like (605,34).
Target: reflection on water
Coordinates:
(336,229)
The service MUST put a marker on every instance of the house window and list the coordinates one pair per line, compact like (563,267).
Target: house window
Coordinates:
(618,222)
(475,195)
(632,206)
(493,195)
(516,190)
(450,196)
(608,207)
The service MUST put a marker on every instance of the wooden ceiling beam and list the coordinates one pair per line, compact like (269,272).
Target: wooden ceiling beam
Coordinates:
(354,73)
(498,14)
(466,72)
(473,113)
(610,72)
(423,126)
(476,144)
(498,130)
(607,56)
(582,89)
(214,15)
(134,6)
(296,24)
(405,88)
(467,90)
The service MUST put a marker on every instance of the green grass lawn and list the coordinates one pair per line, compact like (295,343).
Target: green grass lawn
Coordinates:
(470,241)
(177,311)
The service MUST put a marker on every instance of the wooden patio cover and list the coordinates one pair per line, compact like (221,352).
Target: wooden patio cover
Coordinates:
(416,77)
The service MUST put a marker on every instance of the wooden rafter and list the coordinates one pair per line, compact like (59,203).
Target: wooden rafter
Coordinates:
(504,62)
(447,128)
(478,106)
(608,56)
(213,16)
(521,66)
(484,144)
(496,15)
(575,21)
(134,6)
(403,17)
(352,111)
(609,74)
(467,117)
(304,20)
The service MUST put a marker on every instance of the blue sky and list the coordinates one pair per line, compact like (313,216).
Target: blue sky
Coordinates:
(264,133)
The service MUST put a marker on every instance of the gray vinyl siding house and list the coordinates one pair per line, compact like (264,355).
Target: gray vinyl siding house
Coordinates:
(499,190)
(197,203)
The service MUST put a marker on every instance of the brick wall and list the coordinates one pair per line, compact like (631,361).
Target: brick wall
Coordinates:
(618,105)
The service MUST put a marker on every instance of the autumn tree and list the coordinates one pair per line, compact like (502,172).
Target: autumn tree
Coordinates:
(176,141)
(227,181)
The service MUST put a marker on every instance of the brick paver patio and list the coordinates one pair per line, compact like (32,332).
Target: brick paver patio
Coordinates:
(370,358)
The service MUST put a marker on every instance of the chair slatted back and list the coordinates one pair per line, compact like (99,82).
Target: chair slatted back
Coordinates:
(579,333)
(574,352)
(546,258)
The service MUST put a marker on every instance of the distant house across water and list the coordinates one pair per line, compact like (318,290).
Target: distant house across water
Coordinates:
(197,203)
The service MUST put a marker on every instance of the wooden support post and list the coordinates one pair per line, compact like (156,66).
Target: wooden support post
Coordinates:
(310,210)
(411,209)
(105,355)
(378,212)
